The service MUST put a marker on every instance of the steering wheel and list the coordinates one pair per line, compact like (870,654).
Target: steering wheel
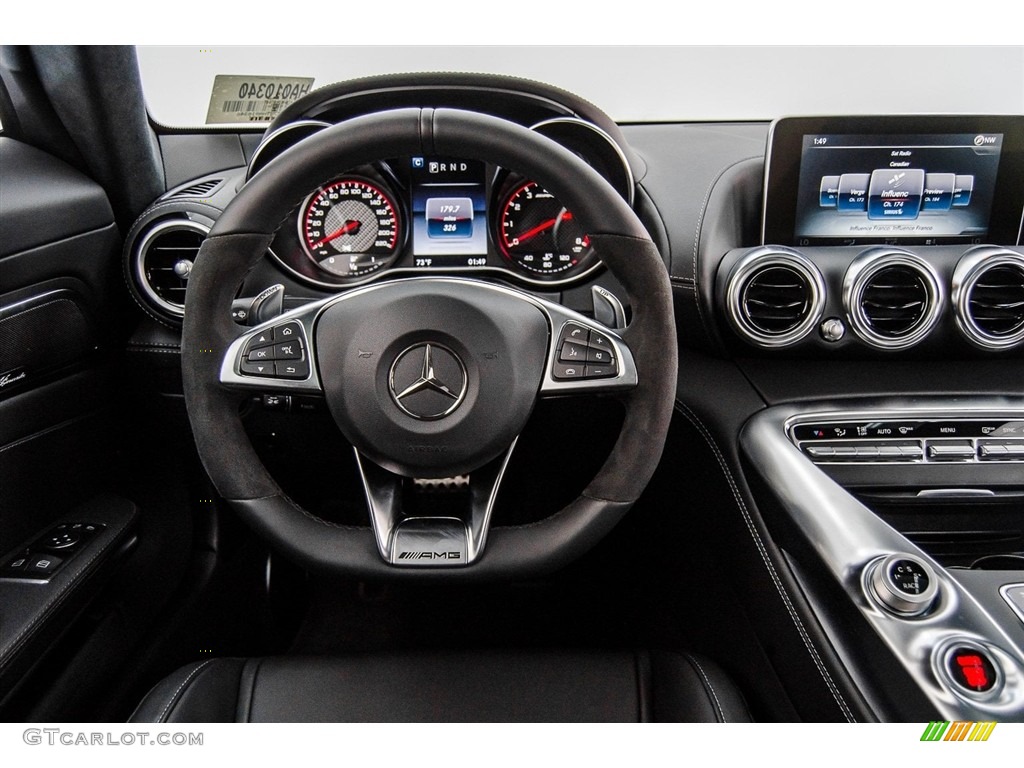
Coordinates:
(428,377)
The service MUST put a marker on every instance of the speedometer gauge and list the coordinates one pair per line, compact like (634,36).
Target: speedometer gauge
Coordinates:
(350,228)
(538,234)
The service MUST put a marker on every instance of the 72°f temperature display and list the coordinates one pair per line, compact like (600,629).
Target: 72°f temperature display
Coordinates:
(350,228)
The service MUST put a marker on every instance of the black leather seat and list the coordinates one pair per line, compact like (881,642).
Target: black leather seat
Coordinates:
(463,687)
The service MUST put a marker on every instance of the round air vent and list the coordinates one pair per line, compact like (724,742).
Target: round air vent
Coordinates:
(162,262)
(988,293)
(892,298)
(775,296)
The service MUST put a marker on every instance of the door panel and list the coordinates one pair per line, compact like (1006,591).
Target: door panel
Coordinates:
(60,320)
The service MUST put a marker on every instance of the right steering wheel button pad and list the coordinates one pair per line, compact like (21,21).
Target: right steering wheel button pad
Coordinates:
(278,352)
(583,354)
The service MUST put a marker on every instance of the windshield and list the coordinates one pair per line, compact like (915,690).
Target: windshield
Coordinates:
(186,86)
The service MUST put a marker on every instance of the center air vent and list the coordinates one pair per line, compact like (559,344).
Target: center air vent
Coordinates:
(775,296)
(894,301)
(163,261)
(892,298)
(988,292)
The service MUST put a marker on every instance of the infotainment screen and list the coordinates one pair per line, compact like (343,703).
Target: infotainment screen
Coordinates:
(836,181)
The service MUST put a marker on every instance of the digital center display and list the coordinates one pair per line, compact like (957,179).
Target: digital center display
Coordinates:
(927,189)
(449,212)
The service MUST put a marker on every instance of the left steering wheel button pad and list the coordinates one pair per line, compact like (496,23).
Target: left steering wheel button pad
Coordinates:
(276,352)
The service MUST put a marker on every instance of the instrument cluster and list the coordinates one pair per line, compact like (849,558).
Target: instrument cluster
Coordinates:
(439,215)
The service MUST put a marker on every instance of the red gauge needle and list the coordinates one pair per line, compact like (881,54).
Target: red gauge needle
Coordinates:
(350,226)
(566,216)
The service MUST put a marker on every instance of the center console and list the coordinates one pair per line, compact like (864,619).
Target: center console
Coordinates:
(836,474)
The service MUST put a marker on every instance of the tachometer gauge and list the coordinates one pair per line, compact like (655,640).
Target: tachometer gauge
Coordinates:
(538,234)
(350,228)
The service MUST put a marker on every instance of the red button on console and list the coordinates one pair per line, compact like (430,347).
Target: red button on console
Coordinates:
(972,669)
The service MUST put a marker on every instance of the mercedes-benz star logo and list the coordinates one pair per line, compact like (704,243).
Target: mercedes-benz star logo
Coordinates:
(427,381)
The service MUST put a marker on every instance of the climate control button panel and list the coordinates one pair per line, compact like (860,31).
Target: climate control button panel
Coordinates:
(913,440)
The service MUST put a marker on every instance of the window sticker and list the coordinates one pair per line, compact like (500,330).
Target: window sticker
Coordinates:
(252,98)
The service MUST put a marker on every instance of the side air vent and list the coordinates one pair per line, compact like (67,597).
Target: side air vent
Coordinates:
(200,189)
(988,293)
(775,296)
(892,298)
(163,261)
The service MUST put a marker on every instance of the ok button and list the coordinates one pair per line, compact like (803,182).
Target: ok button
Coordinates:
(261,355)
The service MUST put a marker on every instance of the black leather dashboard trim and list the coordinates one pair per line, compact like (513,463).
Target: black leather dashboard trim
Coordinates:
(797,646)
(35,182)
(440,89)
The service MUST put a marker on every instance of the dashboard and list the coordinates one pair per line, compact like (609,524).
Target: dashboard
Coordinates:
(849,296)
(836,516)
(425,215)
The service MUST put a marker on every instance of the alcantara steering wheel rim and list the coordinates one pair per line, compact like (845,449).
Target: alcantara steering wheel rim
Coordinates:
(241,237)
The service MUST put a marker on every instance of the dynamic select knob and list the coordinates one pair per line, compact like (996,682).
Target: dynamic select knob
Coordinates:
(904,584)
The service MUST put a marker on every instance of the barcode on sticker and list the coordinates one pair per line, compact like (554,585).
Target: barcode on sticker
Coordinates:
(253,99)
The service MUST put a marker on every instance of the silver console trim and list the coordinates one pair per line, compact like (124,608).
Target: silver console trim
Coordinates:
(1013,606)
(847,537)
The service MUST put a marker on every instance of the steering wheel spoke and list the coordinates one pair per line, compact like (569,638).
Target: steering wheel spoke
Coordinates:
(431,522)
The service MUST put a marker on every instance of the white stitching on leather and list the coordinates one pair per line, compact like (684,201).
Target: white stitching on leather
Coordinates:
(153,350)
(48,430)
(310,515)
(186,681)
(696,239)
(710,687)
(152,344)
(766,559)
(252,690)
